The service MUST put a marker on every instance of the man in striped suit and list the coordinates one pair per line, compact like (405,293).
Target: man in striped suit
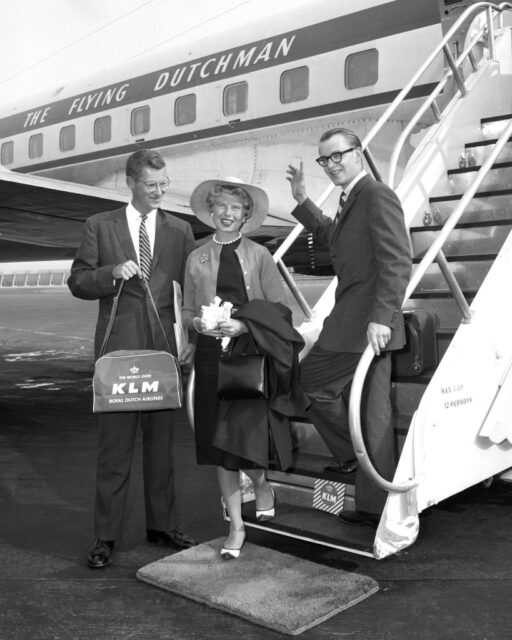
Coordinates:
(131,243)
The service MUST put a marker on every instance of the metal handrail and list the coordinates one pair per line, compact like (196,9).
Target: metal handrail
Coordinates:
(400,97)
(367,357)
(429,102)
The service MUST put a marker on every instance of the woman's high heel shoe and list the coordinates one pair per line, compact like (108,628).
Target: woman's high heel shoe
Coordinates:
(262,515)
(227,553)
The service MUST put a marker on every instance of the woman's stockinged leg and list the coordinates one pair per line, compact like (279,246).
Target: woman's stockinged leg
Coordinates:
(229,482)
(265,497)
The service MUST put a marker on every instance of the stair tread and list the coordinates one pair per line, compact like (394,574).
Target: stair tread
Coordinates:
(482,143)
(312,466)
(496,165)
(476,257)
(469,294)
(480,194)
(319,526)
(497,222)
(506,116)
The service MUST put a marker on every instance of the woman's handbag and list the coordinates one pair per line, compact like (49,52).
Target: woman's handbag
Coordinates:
(242,376)
(136,380)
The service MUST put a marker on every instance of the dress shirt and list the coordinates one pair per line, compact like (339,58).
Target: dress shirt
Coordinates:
(133,218)
(352,184)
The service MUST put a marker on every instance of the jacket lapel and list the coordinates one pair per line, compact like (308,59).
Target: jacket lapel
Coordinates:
(160,236)
(123,233)
(351,199)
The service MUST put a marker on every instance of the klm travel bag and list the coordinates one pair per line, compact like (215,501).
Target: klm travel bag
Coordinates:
(420,351)
(136,380)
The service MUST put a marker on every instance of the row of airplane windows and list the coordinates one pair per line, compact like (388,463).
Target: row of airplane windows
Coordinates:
(361,70)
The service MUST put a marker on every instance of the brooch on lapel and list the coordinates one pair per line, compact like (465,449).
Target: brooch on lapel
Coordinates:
(204,258)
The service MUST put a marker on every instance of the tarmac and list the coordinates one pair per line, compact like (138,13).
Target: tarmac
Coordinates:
(455,582)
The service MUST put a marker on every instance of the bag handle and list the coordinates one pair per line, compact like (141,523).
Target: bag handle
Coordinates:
(113,313)
(251,341)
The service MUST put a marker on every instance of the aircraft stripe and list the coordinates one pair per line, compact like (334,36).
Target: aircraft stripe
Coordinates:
(384,20)
(234,127)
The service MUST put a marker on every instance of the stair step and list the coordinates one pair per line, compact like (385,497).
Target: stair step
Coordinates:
(492,127)
(469,271)
(498,177)
(313,525)
(485,206)
(478,152)
(443,305)
(477,224)
(463,258)
(466,240)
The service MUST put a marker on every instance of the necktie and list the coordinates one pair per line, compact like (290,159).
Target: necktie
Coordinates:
(145,257)
(343,199)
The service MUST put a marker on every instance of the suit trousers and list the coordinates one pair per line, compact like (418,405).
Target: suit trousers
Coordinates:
(326,377)
(117,436)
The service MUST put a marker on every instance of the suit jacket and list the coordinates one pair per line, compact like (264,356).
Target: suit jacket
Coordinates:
(106,242)
(371,256)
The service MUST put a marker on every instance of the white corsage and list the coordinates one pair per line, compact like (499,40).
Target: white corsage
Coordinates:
(215,313)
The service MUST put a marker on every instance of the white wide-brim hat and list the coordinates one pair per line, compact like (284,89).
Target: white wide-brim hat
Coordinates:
(198,202)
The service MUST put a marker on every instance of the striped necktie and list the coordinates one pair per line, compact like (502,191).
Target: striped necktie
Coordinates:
(343,199)
(145,257)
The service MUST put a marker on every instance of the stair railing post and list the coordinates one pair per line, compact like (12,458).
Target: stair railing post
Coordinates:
(372,164)
(454,287)
(490,34)
(455,70)
(306,309)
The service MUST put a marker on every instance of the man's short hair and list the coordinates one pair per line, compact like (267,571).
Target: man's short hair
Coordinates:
(141,159)
(352,139)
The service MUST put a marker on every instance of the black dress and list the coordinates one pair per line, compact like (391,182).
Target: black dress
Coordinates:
(230,288)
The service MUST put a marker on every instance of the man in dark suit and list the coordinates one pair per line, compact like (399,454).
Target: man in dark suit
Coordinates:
(370,253)
(134,242)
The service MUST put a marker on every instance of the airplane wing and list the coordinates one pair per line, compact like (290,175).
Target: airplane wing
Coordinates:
(41,218)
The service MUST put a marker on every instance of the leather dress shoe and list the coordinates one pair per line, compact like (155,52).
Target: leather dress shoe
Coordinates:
(350,466)
(176,539)
(360,517)
(100,554)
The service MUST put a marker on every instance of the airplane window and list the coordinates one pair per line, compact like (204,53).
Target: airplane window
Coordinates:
(235,98)
(185,109)
(7,153)
(67,138)
(294,85)
(102,129)
(140,121)
(362,69)
(35,146)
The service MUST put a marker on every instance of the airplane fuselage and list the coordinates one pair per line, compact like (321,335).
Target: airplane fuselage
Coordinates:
(243,103)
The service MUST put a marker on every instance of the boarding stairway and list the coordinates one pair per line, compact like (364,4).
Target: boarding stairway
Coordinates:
(452,423)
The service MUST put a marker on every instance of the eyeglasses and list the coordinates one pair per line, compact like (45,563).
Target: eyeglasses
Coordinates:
(336,157)
(153,186)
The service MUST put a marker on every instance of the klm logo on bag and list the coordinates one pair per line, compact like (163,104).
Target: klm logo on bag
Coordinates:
(133,384)
(147,387)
